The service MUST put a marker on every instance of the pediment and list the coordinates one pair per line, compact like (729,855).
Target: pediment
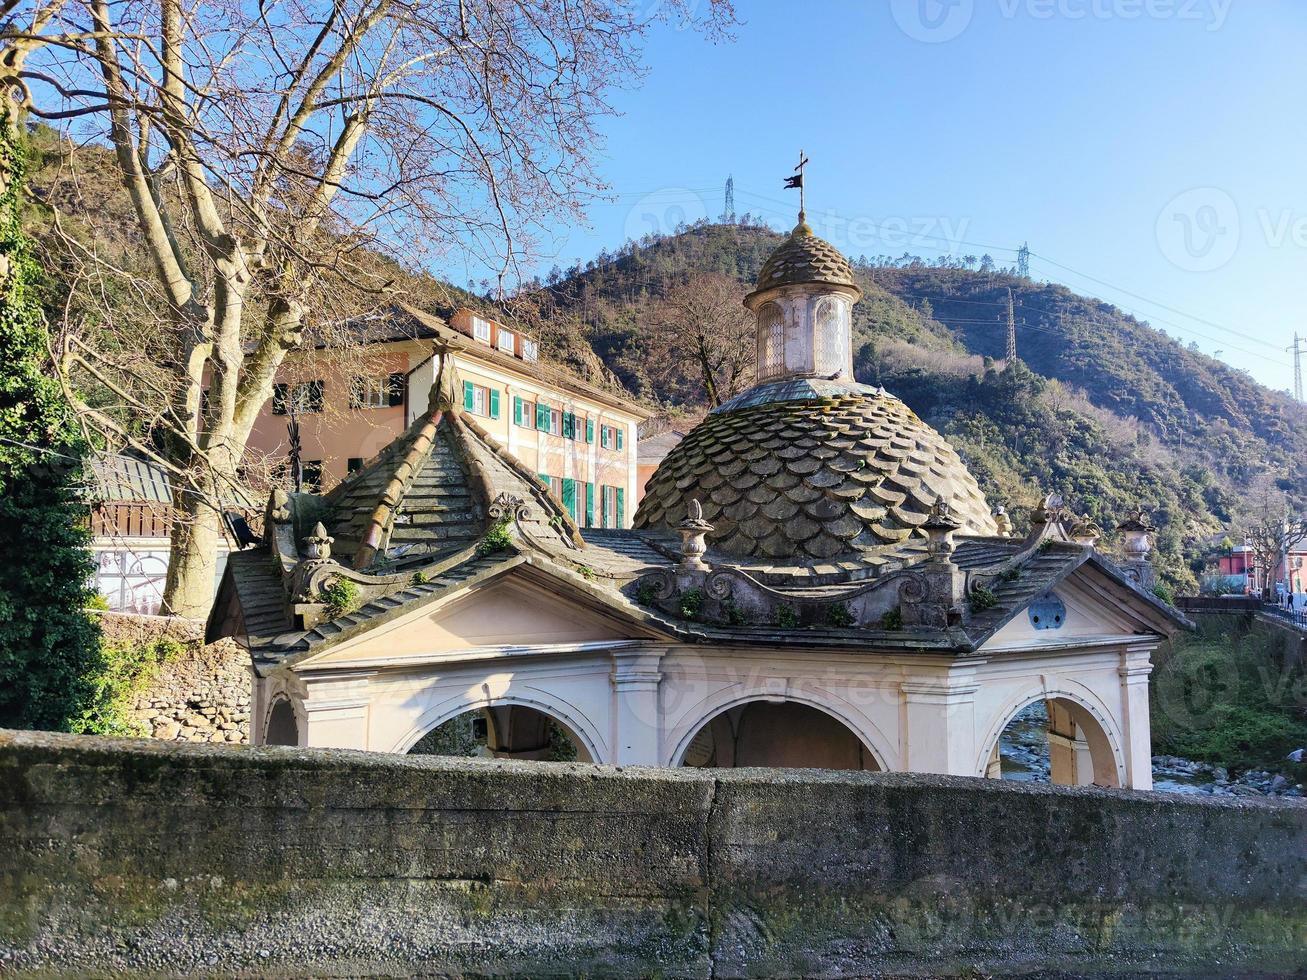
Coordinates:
(1091,613)
(510,611)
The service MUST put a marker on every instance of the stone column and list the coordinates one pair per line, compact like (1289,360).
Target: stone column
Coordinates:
(1136,728)
(1067,749)
(939,721)
(637,727)
(336,710)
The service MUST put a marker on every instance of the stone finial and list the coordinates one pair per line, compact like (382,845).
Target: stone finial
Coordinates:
(692,531)
(279,506)
(1136,537)
(1003,522)
(1085,531)
(939,527)
(1049,510)
(319,543)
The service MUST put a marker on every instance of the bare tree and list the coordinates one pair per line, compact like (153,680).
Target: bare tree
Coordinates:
(269,150)
(703,331)
(1272,530)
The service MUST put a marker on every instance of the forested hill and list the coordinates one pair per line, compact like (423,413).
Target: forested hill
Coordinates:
(1102,408)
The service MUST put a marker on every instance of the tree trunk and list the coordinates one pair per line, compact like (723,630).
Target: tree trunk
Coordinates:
(192,556)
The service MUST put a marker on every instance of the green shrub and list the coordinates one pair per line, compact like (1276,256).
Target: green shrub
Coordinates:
(1164,592)
(981,599)
(838,615)
(786,617)
(497,538)
(342,597)
(892,621)
(122,673)
(691,603)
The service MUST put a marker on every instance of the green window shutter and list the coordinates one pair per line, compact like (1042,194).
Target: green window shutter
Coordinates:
(603,436)
(619,440)
(517,410)
(620,495)
(469,399)
(589,505)
(544,478)
(494,403)
(569,425)
(569,497)
(589,430)
(542,417)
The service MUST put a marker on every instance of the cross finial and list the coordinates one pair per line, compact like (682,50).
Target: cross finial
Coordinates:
(796,180)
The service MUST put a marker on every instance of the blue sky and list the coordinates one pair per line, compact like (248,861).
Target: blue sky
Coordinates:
(1156,146)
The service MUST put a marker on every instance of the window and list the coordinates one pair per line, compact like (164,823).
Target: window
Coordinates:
(386,391)
(549,419)
(304,398)
(530,350)
(555,422)
(589,430)
(311,470)
(354,464)
(506,341)
(524,412)
(613,506)
(610,437)
(569,425)
(480,400)
(481,329)
(554,484)
(771,342)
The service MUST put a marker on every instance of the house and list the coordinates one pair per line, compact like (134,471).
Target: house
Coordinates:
(579,438)
(1241,571)
(813,578)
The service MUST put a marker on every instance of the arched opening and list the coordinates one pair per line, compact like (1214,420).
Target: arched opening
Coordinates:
(282,727)
(1054,740)
(779,734)
(508,731)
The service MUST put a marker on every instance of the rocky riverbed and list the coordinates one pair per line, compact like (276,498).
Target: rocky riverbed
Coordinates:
(1023,750)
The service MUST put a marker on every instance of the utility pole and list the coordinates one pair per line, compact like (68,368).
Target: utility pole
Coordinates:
(1299,344)
(728,210)
(1011,330)
(1023,260)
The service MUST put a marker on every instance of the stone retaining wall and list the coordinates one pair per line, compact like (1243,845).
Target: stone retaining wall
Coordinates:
(142,857)
(202,695)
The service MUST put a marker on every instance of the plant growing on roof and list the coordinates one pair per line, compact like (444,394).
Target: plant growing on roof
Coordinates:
(691,603)
(787,617)
(341,597)
(839,615)
(892,621)
(981,599)
(497,538)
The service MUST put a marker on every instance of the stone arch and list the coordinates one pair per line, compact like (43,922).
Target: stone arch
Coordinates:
(1077,706)
(282,725)
(712,709)
(577,727)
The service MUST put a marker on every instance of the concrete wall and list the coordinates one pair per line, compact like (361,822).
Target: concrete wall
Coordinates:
(147,857)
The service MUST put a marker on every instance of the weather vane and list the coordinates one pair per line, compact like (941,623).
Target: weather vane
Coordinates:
(797,181)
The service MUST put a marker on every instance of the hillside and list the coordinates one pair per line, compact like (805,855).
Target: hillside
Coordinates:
(1101,407)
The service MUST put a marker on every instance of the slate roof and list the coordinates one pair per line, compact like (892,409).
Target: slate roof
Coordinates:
(837,478)
(805,258)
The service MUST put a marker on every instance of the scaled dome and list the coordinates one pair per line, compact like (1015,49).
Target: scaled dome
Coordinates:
(815,478)
(810,465)
(805,258)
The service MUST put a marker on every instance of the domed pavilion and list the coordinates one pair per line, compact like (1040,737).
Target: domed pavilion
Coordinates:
(813,578)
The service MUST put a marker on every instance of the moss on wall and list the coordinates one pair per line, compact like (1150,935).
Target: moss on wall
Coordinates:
(146,857)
